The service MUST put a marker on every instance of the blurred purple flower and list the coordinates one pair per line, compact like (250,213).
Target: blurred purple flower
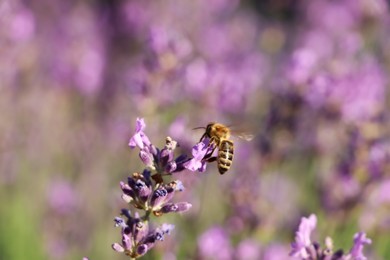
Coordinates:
(276,252)
(166,39)
(137,16)
(218,6)
(22,25)
(359,240)
(248,249)
(302,65)
(215,244)
(379,158)
(332,17)
(358,92)
(62,197)
(196,76)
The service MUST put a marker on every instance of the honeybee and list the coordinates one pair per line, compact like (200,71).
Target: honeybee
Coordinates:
(219,135)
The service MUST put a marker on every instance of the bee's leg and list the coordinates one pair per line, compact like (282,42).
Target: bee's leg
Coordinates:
(213,141)
(203,136)
(209,156)
(211,159)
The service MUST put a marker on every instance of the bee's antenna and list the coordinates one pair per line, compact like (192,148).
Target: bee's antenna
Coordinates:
(200,127)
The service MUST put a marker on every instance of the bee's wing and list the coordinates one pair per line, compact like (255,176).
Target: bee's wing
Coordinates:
(245,136)
(242,134)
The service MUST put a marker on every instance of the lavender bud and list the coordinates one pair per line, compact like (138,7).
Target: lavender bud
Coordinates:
(143,190)
(165,157)
(142,249)
(141,229)
(147,158)
(127,198)
(126,213)
(175,207)
(127,189)
(126,241)
(171,167)
(117,247)
(161,196)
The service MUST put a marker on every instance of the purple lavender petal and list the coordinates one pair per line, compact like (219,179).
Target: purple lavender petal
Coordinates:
(178,186)
(199,151)
(136,140)
(139,138)
(163,230)
(194,165)
(153,237)
(167,228)
(156,235)
(120,222)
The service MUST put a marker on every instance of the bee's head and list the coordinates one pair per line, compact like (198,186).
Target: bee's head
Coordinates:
(209,127)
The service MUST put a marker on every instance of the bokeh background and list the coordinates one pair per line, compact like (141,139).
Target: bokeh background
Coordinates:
(308,78)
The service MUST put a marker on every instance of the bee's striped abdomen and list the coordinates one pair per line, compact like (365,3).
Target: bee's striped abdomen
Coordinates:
(225,156)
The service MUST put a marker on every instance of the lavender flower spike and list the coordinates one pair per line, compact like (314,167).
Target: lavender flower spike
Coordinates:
(302,238)
(139,138)
(359,240)
(148,192)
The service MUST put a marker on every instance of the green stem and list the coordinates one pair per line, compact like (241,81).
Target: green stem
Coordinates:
(147,214)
